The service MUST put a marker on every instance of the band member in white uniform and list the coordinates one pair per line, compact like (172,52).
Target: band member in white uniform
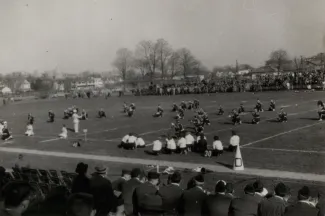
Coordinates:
(75,118)
(64,133)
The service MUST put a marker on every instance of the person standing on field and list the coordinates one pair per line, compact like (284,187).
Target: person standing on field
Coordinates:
(75,119)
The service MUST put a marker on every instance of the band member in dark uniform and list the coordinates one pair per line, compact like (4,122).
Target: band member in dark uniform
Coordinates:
(51,116)
(101,113)
(272,106)
(283,116)
(256,117)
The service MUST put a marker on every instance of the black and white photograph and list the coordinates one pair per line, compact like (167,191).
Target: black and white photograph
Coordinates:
(162,108)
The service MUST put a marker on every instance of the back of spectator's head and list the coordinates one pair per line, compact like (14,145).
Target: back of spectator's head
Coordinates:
(229,187)
(126,174)
(216,137)
(281,190)
(202,136)
(199,180)
(249,189)
(81,168)
(258,186)
(233,133)
(101,170)
(17,196)
(154,177)
(176,177)
(80,204)
(135,173)
(220,186)
(303,193)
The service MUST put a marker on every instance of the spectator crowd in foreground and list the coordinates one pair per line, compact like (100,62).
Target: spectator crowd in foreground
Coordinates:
(136,193)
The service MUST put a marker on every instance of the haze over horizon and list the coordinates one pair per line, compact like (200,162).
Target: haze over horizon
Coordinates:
(79,35)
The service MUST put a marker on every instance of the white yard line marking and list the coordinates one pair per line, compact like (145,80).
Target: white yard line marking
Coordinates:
(287,150)
(49,140)
(96,132)
(280,134)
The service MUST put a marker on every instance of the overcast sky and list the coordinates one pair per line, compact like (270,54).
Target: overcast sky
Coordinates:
(77,35)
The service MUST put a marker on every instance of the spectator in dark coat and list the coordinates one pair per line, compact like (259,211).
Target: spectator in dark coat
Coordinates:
(2,179)
(81,183)
(171,194)
(303,207)
(101,189)
(260,191)
(321,204)
(230,190)
(217,204)
(118,184)
(128,189)
(146,200)
(275,205)
(192,199)
(81,204)
(246,205)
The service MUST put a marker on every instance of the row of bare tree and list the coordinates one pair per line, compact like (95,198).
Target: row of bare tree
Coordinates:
(156,57)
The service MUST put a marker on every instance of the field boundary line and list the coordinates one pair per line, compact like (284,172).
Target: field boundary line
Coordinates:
(286,150)
(176,164)
(282,133)
(49,140)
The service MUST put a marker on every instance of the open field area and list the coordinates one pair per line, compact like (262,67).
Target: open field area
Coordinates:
(295,146)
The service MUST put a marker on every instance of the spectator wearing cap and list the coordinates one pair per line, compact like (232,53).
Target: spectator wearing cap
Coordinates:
(118,183)
(192,199)
(81,204)
(230,190)
(246,205)
(128,189)
(81,183)
(276,204)
(17,198)
(171,194)
(218,203)
(101,188)
(303,207)
(260,191)
(234,142)
(146,200)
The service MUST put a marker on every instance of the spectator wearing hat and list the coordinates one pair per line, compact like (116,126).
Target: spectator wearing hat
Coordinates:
(171,194)
(246,205)
(230,190)
(101,189)
(128,189)
(276,204)
(234,142)
(17,198)
(303,207)
(81,204)
(192,199)
(118,183)
(260,191)
(218,203)
(81,183)
(146,200)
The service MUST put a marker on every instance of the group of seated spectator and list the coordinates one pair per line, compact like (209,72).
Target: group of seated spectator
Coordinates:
(136,193)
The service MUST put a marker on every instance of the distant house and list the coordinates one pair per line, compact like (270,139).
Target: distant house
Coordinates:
(25,86)
(57,86)
(224,74)
(6,91)
(243,72)
(89,83)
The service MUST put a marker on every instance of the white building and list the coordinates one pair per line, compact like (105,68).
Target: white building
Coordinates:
(6,91)
(87,84)
(25,86)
